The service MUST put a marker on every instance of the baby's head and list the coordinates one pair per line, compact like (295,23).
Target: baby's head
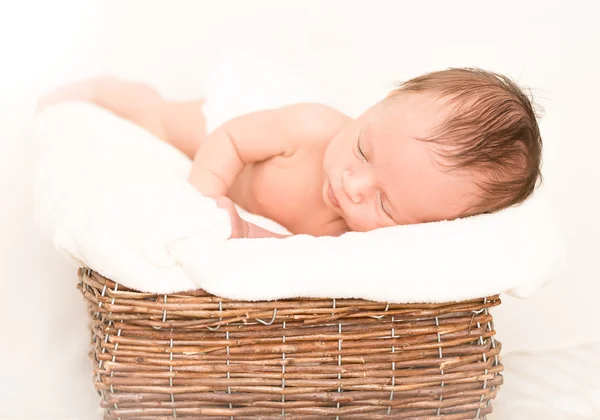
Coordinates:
(444,145)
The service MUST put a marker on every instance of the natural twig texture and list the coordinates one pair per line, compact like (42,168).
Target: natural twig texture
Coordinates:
(193,355)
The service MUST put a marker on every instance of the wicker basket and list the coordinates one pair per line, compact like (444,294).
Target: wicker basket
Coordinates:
(194,355)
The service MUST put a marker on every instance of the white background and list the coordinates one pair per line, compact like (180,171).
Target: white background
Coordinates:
(353,51)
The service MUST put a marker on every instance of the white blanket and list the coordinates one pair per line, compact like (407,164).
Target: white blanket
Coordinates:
(116,199)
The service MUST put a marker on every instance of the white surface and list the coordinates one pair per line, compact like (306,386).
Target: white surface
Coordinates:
(554,385)
(354,52)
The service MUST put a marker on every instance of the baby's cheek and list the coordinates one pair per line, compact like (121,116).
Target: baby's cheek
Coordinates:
(361,220)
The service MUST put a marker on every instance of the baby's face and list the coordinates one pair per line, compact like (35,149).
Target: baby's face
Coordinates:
(377,173)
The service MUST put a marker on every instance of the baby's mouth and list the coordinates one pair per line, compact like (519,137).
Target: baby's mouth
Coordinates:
(332,197)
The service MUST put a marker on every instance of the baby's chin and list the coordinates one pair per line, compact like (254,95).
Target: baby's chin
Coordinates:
(355,225)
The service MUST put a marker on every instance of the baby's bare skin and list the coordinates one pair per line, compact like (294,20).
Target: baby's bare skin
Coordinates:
(308,167)
(271,163)
(317,171)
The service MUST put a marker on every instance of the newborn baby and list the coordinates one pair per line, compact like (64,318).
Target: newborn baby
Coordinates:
(444,145)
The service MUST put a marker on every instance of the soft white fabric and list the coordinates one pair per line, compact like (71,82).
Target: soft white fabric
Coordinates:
(114,198)
(550,385)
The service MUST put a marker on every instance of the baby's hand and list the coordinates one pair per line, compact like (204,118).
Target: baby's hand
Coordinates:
(239,227)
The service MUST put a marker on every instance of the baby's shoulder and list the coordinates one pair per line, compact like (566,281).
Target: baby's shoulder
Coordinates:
(313,121)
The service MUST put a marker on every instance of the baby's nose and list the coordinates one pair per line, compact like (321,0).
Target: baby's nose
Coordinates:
(358,186)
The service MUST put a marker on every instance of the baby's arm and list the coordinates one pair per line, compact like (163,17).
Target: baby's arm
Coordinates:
(244,140)
(253,138)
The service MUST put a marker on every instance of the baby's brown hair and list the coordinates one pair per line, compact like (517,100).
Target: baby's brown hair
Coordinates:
(491,130)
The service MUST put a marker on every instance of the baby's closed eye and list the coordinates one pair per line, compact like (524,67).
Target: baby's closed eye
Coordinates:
(382,206)
(360,150)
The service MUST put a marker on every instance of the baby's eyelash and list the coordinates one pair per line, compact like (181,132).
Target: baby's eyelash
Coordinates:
(360,150)
(380,203)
